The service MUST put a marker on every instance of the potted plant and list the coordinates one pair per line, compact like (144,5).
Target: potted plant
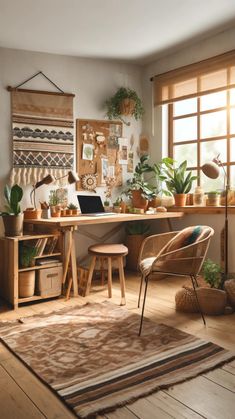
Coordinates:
(178,181)
(12,216)
(138,188)
(117,205)
(212,300)
(124,102)
(159,177)
(73,209)
(27,255)
(213,199)
(54,203)
(135,234)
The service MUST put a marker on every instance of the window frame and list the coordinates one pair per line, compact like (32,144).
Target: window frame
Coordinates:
(199,140)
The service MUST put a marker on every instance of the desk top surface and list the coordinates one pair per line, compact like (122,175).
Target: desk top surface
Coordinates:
(116,218)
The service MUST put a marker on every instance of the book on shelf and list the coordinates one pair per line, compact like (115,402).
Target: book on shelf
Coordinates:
(41,246)
(47,261)
(51,245)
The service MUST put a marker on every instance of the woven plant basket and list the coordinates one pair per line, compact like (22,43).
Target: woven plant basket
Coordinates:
(229,287)
(212,300)
(185,300)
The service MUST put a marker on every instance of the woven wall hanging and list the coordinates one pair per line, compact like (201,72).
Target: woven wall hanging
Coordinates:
(43,133)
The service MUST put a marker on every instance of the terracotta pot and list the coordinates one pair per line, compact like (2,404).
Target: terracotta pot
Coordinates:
(180,199)
(13,225)
(75,211)
(133,242)
(63,213)
(138,201)
(56,213)
(123,206)
(212,300)
(127,106)
(32,214)
(156,202)
(69,212)
(26,284)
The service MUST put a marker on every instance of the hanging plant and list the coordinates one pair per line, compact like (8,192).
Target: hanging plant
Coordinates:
(124,102)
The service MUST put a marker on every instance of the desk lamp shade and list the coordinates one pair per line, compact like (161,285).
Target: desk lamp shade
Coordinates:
(211,170)
(72,178)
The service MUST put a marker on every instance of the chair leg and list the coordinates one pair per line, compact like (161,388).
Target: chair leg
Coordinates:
(140,291)
(142,314)
(109,277)
(198,304)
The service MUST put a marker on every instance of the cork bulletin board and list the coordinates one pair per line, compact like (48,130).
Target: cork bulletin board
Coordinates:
(98,151)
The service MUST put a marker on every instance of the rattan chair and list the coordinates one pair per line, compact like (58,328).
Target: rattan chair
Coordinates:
(167,254)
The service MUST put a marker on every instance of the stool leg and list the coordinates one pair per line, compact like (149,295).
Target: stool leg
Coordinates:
(122,280)
(102,271)
(109,277)
(90,274)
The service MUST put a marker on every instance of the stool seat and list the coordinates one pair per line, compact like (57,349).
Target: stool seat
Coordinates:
(108,250)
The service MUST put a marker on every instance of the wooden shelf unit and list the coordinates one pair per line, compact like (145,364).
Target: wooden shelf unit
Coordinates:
(10,269)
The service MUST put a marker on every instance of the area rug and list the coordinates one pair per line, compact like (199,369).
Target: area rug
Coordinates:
(92,357)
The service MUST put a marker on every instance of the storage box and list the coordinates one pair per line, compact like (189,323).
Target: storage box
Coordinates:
(49,281)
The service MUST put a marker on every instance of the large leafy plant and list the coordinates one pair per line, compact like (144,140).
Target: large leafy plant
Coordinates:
(178,179)
(138,182)
(137,228)
(13,197)
(113,105)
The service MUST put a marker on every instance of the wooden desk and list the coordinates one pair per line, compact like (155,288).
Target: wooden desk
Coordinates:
(68,225)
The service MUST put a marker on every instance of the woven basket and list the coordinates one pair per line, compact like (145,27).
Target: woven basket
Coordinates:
(185,300)
(212,300)
(229,287)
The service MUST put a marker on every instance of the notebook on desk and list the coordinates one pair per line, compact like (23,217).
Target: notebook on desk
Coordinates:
(92,205)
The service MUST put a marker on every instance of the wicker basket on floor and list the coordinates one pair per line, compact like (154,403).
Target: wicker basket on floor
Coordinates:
(229,287)
(185,300)
(212,300)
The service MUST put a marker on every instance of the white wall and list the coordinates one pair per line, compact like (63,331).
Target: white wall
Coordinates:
(225,41)
(92,81)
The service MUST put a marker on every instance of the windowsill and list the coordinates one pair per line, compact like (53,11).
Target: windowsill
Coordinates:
(191,209)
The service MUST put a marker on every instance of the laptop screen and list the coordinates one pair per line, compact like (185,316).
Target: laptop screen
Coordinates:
(90,204)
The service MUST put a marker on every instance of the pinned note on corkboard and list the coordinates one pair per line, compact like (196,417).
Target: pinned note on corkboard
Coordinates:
(97,145)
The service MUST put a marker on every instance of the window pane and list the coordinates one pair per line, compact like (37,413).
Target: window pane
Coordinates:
(211,149)
(186,152)
(232,121)
(232,149)
(213,124)
(185,129)
(232,97)
(214,100)
(184,107)
(232,176)
(212,184)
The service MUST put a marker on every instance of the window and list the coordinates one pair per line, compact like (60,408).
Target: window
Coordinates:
(200,100)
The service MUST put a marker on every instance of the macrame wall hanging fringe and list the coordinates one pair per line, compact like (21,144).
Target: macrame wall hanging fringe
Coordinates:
(42,129)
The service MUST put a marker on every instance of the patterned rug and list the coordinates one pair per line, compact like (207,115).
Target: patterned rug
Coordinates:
(92,357)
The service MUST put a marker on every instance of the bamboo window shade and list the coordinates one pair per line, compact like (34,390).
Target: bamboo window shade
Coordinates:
(204,77)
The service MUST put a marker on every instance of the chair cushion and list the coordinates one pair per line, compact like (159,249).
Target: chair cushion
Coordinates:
(187,236)
(146,265)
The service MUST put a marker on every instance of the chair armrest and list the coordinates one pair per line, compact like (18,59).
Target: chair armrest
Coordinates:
(152,245)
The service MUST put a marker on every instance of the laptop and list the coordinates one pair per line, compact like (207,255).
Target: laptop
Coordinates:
(92,205)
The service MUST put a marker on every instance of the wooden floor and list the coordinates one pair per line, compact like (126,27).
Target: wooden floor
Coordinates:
(208,396)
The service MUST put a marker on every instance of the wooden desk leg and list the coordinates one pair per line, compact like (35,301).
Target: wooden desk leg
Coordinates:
(74,267)
(67,249)
(169,223)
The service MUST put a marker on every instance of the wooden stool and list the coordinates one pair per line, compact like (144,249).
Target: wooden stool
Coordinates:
(109,252)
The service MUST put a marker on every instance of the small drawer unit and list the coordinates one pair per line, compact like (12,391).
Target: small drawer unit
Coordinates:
(49,281)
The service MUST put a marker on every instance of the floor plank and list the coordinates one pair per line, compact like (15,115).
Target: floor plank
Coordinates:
(205,397)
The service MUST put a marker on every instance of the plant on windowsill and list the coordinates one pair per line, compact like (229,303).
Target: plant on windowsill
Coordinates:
(212,300)
(12,216)
(125,102)
(213,199)
(159,177)
(178,181)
